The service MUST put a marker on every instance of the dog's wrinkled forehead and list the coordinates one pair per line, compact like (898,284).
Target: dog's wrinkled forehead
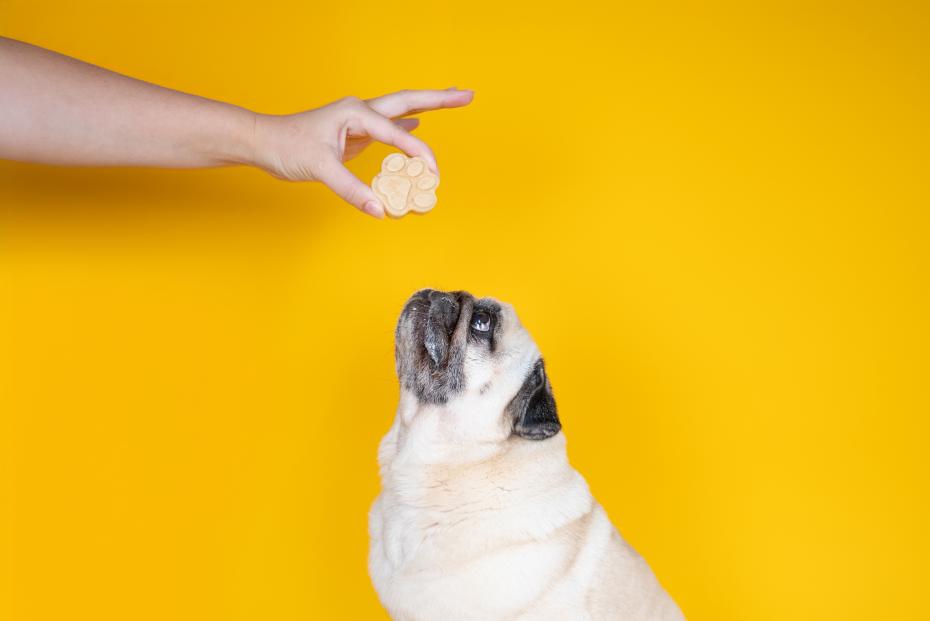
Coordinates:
(434,332)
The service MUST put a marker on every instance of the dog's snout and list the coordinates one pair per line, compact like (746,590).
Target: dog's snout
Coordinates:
(431,338)
(444,308)
(443,314)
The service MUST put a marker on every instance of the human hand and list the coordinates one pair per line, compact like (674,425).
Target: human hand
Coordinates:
(312,145)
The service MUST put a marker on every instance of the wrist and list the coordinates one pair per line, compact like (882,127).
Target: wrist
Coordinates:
(240,148)
(226,136)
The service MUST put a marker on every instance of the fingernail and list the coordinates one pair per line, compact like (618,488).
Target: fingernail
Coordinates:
(373,208)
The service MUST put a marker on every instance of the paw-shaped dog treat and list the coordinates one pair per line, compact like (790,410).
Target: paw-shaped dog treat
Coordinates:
(405,184)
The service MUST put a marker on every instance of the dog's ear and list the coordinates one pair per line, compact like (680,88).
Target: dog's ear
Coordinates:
(533,408)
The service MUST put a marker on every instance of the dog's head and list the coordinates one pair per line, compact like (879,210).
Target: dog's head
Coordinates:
(473,359)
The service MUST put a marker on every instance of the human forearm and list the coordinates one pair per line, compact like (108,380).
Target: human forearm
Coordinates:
(58,110)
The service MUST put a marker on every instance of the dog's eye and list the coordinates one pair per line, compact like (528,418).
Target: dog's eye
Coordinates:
(481,321)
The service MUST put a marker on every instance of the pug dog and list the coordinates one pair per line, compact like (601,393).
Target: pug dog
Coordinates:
(480,515)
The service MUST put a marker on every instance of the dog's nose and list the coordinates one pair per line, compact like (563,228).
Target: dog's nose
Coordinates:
(441,304)
(443,308)
(419,301)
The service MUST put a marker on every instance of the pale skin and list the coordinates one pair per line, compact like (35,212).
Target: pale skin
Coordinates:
(58,110)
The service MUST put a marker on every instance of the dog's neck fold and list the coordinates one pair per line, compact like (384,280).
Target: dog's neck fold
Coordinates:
(443,481)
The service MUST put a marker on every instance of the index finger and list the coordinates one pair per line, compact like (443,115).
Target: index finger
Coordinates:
(386,131)
(411,102)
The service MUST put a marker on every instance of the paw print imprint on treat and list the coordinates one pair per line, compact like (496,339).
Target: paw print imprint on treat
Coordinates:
(405,184)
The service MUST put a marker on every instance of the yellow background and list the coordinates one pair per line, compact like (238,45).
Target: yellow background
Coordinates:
(713,218)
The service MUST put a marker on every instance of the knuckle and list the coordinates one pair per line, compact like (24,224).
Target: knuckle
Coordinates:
(350,101)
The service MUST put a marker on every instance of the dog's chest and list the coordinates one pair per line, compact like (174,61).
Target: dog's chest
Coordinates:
(455,575)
